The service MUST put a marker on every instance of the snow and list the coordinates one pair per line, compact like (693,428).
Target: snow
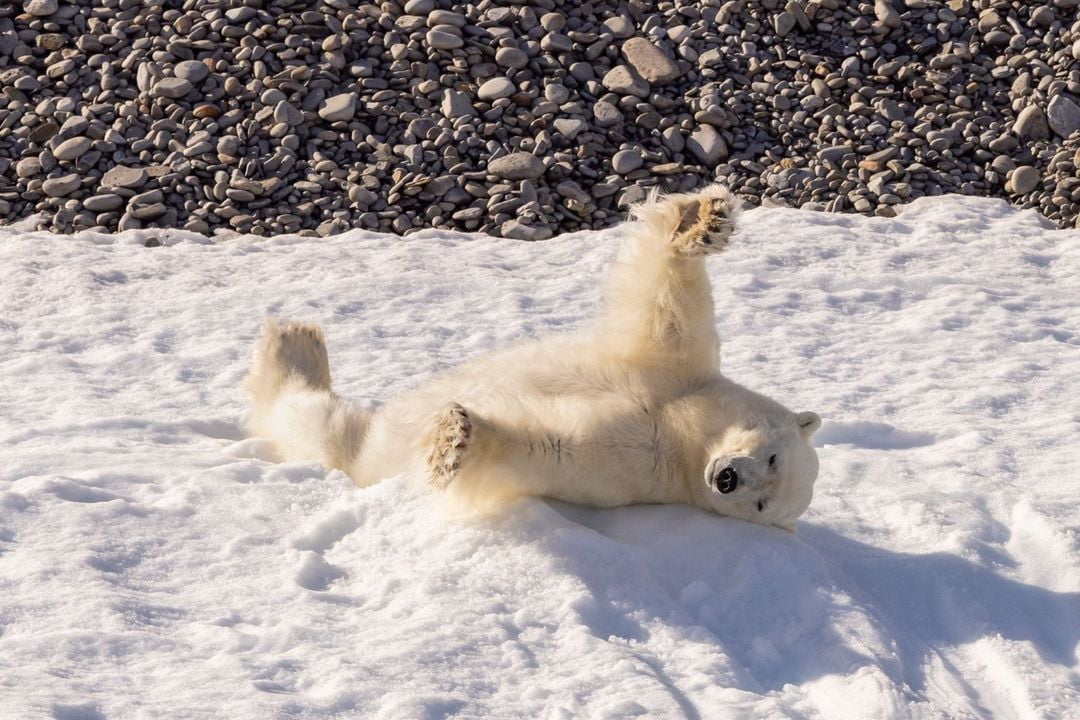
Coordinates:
(153,564)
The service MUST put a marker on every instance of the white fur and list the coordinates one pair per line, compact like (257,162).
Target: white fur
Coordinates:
(631,409)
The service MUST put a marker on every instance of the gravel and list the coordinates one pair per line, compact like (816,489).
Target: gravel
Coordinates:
(525,120)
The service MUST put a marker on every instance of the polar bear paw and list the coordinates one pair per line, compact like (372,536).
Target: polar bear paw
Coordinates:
(288,349)
(448,444)
(706,221)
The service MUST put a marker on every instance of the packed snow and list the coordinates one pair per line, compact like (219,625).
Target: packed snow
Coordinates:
(154,564)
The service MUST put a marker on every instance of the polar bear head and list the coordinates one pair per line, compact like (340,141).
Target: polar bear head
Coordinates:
(764,470)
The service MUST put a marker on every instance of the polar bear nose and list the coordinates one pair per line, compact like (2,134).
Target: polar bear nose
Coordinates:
(727,480)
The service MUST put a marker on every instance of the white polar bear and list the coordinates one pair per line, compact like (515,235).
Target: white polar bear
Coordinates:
(630,409)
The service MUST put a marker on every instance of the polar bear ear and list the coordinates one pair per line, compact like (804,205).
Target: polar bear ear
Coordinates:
(809,423)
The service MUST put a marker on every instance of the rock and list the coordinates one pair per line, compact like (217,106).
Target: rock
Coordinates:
(61,186)
(606,115)
(624,80)
(173,88)
(441,40)
(1024,179)
(191,70)
(496,88)
(124,177)
(626,161)
(650,62)
(339,108)
(104,202)
(511,58)
(1063,115)
(519,231)
(783,23)
(72,148)
(1031,124)
(707,146)
(517,166)
(284,112)
(455,105)
(41,8)
(886,14)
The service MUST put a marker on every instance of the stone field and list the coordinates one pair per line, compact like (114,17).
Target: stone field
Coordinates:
(524,119)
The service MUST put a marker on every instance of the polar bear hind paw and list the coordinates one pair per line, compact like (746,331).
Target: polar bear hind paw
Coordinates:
(448,445)
(286,350)
(706,221)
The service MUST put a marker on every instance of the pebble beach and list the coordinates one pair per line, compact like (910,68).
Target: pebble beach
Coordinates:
(525,120)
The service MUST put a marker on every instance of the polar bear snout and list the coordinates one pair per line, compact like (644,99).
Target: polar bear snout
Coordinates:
(727,480)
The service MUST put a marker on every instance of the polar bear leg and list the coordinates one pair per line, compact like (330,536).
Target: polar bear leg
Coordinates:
(658,306)
(291,401)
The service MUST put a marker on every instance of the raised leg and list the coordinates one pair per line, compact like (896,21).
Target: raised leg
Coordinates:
(658,307)
(291,400)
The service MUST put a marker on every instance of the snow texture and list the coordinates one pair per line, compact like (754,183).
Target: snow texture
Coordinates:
(153,564)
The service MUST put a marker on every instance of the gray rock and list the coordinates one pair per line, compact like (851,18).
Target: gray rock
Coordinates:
(650,62)
(1063,115)
(495,88)
(606,115)
(103,203)
(61,186)
(707,145)
(338,108)
(173,88)
(455,105)
(191,70)
(419,7)
(124,177)
(519,231)
(511,58)
(41,8)
(624,80)
(1024,179)
(570,127)
(517,166)
(441,40)
(783,23)
(620,26)
(626,161)
(1031,124)
(72,148)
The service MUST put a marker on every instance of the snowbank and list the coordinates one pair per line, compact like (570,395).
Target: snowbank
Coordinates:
(151,564)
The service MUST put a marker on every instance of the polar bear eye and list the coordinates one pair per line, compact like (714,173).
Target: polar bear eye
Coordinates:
(772,461)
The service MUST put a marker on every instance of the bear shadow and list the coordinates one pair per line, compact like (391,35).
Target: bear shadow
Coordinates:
(791,608)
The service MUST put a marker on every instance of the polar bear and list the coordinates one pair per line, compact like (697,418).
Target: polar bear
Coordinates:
(630,409)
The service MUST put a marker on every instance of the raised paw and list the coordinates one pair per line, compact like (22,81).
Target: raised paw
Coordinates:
(448,444)
(291,349)
(706,221)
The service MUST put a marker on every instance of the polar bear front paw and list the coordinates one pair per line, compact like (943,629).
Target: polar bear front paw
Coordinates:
(706,221)
(448,444)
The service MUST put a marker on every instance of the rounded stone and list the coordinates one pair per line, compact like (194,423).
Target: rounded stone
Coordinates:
(338,108)
(511,58)
(626,161)
(61,186)
(173,88)
(72,148)
(191,70)
(41,8)
(517,166)
(122,176)
(104,202)
(1024,179)
(441,40)
(496,88)
(649,61)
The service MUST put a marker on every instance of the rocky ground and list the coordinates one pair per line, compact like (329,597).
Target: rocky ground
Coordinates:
(525,119)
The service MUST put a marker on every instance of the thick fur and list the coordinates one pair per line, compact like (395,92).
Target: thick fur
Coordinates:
(630,409)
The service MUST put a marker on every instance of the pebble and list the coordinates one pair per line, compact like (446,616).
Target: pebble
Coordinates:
(173,88)
(338,108)
(441,40)
(511,57)
(496,88)
(1024,179)
(191,70)
(626,161)
(624,80)
(41,8)
(72,148)
(517,166)
(61,186)
(124,177)
(1063,115)
(1031,124)
(707,145)
(649,61)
